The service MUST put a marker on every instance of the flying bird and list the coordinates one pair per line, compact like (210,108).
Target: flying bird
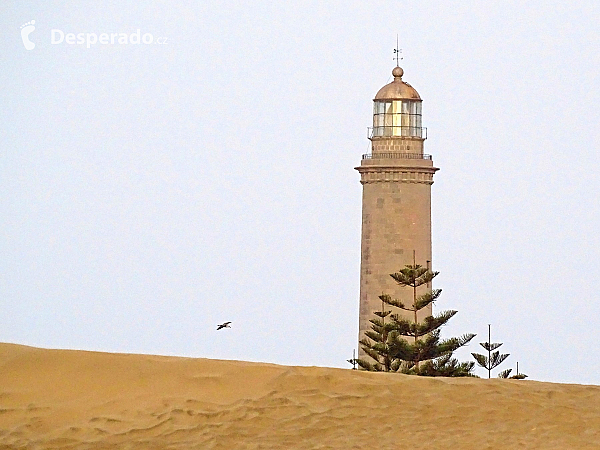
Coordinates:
(223,325)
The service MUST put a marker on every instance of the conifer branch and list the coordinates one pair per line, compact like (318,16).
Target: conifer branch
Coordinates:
(505,373)
(393,302)
(490,346)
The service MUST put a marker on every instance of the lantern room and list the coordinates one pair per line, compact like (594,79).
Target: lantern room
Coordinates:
(397,110)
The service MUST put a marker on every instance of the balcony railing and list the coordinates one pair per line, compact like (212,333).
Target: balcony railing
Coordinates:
(397,131)
(379,155)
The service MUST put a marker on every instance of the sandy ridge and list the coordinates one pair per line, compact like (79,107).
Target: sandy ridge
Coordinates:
(90,400)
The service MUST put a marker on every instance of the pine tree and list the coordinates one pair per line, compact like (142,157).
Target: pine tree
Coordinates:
(353,361)
(410,346)
(379,349)
(494,359)
(506,374)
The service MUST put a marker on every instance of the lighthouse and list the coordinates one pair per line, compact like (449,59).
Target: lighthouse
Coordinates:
(396,205)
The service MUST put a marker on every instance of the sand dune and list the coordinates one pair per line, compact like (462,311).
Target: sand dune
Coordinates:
(87,400)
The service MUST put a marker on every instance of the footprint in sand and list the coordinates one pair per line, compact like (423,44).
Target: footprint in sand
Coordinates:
(26,30)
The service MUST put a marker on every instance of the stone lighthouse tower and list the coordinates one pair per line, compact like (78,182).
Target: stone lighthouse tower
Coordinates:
(396,208)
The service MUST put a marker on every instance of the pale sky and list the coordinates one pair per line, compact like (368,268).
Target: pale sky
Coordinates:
(149,192)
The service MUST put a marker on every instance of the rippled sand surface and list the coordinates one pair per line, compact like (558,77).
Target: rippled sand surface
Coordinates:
(62,399)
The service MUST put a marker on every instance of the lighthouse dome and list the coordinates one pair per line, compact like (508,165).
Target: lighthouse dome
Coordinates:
(397,89)
(397,110)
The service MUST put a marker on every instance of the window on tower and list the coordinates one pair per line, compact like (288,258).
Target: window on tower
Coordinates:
(397,118)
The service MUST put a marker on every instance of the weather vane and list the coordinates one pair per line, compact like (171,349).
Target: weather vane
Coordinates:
(397,52)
